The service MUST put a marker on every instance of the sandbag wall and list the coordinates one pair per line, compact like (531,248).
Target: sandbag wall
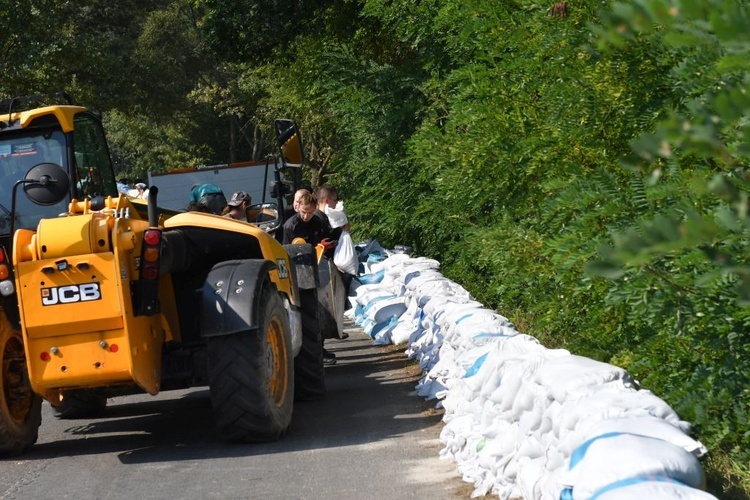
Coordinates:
(521,420)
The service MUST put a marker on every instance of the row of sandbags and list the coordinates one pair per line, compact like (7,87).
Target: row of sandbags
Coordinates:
(521,420)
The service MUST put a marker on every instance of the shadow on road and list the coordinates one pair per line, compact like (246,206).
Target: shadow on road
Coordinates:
(370,398)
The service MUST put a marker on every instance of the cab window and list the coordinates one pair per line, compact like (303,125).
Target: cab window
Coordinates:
(18,154)
(94,174)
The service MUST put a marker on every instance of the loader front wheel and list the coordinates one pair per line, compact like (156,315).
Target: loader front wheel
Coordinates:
(20,407)
(251,375)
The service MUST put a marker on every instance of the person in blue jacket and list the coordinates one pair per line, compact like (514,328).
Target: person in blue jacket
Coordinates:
(209,195)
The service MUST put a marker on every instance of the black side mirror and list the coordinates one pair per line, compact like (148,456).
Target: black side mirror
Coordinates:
(46,184)
(264,215)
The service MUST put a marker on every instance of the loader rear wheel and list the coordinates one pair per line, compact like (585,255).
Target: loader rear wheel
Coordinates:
(309,373)
(80,403)
(20,407)
(251,375)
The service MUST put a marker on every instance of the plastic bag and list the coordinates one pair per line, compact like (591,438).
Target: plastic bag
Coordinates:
(337,216)
(345,256)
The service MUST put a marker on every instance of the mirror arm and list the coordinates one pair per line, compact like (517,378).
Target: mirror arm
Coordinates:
(12,213)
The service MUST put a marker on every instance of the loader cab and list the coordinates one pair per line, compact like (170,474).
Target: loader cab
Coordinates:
(92,166)
(64,135)
(20,153)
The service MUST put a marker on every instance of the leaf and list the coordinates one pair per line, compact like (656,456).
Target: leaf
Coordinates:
(605,269)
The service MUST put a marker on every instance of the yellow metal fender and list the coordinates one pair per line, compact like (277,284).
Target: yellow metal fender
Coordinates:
(271,249)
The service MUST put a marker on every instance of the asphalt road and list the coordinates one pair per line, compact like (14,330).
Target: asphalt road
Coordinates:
(371,437)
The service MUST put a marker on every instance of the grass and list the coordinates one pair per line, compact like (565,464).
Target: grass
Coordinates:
(726,479)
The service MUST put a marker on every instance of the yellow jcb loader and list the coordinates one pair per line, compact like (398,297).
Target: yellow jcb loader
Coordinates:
(105,295)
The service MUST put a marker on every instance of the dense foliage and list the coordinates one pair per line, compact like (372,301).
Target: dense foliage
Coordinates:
(581,167)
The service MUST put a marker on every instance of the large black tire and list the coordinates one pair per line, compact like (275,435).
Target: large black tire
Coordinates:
(80,403)
(309,373)
(20,407)
(251,375)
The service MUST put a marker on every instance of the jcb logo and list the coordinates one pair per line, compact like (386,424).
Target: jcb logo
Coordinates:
(283,270)
(71,293)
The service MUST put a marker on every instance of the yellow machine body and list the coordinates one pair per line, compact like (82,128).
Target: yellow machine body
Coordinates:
(74,277)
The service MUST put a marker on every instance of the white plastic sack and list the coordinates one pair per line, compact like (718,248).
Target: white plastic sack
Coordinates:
(645,426)
(337,216)
(652,488)
(385,309)
(571,375)
(609,458)
(345,256)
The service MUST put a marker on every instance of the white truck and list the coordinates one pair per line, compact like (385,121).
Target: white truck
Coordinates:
(255,178)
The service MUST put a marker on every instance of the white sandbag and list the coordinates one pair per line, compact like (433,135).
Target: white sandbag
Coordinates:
(522,345)
(422,263)
(455,432)
(530,397)
(375,267)
(437,287)
(373,295)
(528,477)
(442,286)
(396,263)
(430,389)
(369,276)
(366,293)
(381,332)
(572,374)
(393,259)
(497,334)
(612,400)
(413,277)
(457,311)
(408,323)
(504,392)
(383,310)
(529,447)
(645,426)
(403,331)
(531,420)
(609,458)
(456,364)
(425,347)
(509,371)
(439,376)
(648,488)
(373,246)
(478,320)
(437,303)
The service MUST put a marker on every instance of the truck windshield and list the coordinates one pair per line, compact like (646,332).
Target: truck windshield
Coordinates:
(19,153)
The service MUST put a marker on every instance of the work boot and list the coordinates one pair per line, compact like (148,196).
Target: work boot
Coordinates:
(329,358)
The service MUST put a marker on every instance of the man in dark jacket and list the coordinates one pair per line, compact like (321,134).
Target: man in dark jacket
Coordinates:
(305,224)
(327,196)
